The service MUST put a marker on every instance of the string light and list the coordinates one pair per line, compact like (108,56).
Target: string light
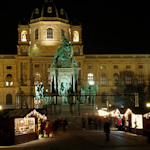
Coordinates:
(35,113)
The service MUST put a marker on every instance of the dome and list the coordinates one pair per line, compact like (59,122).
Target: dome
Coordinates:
(49,12)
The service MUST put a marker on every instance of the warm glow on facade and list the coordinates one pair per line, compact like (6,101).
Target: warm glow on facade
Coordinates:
(24,36)
(75,36)
(90,79)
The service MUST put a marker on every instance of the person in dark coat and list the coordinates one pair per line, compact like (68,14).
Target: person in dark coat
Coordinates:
(90,121)
(83,122)
(107,129)
(43,123)
(64,124)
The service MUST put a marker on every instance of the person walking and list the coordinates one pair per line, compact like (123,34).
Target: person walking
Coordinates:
(83,122)
(90,122)
(48,128)
(64,124)
(107,129)
(42,127)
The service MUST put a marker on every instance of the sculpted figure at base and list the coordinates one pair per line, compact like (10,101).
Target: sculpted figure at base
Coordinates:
(88,94)
(82,98)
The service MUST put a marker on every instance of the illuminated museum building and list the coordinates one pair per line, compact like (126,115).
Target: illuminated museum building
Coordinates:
(37,44)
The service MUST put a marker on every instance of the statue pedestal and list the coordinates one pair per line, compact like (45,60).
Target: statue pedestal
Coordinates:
(67,76)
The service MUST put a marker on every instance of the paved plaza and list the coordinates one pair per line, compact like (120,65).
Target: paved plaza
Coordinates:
(85,140)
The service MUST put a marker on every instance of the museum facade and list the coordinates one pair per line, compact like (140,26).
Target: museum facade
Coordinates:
(37,44)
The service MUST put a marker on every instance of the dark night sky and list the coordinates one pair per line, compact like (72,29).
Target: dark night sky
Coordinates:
(109,26)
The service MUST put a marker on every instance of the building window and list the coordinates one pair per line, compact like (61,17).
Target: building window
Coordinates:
(103,67)
(103,79)
(36,34)
(9,80)
(24,36)
(115,66)
(49,33)
(140,66)
(37,79)
(128,79)
(90,67)
(140,79)
(90,79)
(128,67)
(37,66)
(104,98)
(116,79)
(9,67)
(75,36)
(9,99)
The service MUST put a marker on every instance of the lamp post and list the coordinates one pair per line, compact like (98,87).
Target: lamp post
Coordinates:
(1,107)
(148,105)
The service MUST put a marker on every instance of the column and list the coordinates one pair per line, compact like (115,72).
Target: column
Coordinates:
(55,82)
(51,83)
(19,73)
(29,73)
(74,83)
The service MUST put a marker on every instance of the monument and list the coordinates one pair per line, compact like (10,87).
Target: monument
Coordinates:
(64,100)
(63,73)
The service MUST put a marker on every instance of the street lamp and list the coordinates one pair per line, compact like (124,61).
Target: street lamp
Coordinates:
(1,107)
(148,105)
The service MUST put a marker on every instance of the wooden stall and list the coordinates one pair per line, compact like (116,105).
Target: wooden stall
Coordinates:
(19,126)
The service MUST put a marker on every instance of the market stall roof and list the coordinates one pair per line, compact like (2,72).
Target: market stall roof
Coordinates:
(147,115)
(115,113)
(19,113)
(135,110)
(4,112)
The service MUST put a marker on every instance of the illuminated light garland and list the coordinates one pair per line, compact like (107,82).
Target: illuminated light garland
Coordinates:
(35,113)
(128,111)
(103,113)
(147,115)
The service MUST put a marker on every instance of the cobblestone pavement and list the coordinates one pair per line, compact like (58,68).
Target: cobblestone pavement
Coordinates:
(85,140)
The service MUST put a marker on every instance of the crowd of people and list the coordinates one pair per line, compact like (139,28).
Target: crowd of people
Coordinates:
(97,123)
(92,122)
(51,128)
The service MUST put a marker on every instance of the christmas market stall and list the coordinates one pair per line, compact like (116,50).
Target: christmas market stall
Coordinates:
(116,118)
(134,121)
(127,119)
(20,125)
(146,117)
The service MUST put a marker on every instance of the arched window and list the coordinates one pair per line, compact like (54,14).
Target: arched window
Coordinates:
(37,79)
(116,79)
(128,79)
(9,99)
(49,33)
(24,36)
(140,79)
(75,36)
(103,79)
(9,80)
(36,34)
(90,79)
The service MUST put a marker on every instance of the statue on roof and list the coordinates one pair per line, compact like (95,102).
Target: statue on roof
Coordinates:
(63,54)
